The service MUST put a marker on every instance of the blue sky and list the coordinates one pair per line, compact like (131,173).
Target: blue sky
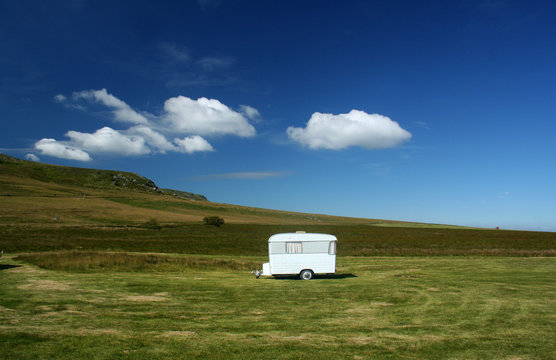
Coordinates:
(429,111)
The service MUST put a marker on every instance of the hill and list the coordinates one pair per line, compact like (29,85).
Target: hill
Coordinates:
(48,207)
(36,192)
(14,168)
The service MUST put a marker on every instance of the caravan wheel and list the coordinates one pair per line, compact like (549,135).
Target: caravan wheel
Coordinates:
(306,275)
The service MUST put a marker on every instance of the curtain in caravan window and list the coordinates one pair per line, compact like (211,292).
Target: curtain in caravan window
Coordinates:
(293,248)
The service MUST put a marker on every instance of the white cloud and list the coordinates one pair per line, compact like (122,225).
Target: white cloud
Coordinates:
(205,117)
(193,144)
(60,98)
(356,128)
(32,157)
(153,138)
(250,112)
(138,140)
(108,140)
(159,142)
(57,149)
(122,111)
(181,116)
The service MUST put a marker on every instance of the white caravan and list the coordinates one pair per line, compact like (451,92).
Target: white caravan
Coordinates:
(300,254)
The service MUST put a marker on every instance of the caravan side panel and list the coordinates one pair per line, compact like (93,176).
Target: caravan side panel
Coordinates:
(294,263)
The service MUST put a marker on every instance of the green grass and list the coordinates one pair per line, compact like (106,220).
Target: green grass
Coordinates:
(251,239)
(382,308)
(101,179)
(80,177)
(102,261)
(183,194)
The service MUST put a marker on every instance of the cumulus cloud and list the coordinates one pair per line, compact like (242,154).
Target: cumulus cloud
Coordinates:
(154,139)
(138,140)
(108,140)
(193,144)
(356,128)
(205,117)
(57,149)
(250,112)
(181,116)
(122,111)
(32,157)
(60,98)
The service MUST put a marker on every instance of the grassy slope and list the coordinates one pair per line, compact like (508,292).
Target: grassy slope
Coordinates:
(65,175)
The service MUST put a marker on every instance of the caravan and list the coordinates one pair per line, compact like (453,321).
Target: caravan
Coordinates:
(300,254)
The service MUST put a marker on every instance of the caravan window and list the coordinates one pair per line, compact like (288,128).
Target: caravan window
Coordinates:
(315,247)
(332,248)
(294,247)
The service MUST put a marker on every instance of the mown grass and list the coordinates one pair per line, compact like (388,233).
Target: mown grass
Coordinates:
(389,308)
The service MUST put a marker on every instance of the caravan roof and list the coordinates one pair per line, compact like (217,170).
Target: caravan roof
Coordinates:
(301,237)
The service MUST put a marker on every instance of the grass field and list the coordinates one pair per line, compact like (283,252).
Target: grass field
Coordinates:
(376,307)
(251,239)
(103,265)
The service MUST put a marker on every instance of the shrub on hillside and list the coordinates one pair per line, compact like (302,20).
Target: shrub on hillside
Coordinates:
(213,220)
(152,224)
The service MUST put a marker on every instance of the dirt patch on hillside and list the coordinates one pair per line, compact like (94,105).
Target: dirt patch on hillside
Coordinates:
(380,339)
(45,331)
(64,313)
(178,334)
(145,298)
(381,304)
(23,269)
(49,311)
(301,338)
(371,307)
(46,285)
(97,332)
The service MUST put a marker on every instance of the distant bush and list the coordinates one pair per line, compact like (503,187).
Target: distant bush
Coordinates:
(152,224)
(213,220)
